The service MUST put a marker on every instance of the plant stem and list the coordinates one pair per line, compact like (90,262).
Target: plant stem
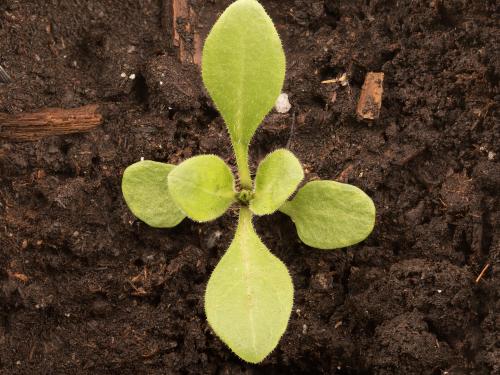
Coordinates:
(241,152)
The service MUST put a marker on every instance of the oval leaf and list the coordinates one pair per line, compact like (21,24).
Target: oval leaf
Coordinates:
(202,187)
(145,189)
(243,67)
(331,215)
(249,296)
(278,176)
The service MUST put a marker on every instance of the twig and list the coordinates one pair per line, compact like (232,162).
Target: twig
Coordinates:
(482,272)
(292,130)
(48,122)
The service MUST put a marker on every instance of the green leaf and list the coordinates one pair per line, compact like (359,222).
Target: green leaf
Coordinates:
(330,215)
(249,296)
(202,187)
(243,68)
(277,178)
(144,187)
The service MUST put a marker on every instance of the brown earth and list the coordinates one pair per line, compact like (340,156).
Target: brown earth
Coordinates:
(87,289)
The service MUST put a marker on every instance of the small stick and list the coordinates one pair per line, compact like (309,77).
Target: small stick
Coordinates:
(482,272)
(4,77)
(48,122)
(341,79)
(292,129)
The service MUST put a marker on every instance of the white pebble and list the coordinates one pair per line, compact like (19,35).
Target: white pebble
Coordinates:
(123,75)
(132,76)
(161,83)
(491,155)
(282,103)
(440,290)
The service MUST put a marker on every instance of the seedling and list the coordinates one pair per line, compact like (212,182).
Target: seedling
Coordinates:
(249,296)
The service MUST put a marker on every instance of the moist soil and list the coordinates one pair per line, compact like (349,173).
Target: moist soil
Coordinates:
(85,288)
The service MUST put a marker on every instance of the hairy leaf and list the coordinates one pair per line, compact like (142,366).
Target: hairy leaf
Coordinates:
(278,175)
(144,187)
(202,187)
(330,215)
(249,296)
(243,68)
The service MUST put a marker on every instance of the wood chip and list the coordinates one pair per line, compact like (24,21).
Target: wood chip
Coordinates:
(370,99)
(19,276)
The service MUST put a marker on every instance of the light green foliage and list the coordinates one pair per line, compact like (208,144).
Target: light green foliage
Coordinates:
(249,296)
(278,176)
(243,68)
(330,215)
(202,187)
(144,187)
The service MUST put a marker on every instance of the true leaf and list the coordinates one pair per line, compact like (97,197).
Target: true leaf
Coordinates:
(278,175)
(202,187)
(330,215)
(249,296)
(243,68)
(144,187)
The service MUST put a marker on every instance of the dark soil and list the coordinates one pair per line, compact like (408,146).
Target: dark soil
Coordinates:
(87,289)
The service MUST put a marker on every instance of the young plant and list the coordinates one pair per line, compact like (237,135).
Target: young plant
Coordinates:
(249,296)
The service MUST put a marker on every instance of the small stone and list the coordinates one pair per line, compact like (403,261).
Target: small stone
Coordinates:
(99,308)
(491,155)
(123,75)
(132,76)
(283,104)
(212,239)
